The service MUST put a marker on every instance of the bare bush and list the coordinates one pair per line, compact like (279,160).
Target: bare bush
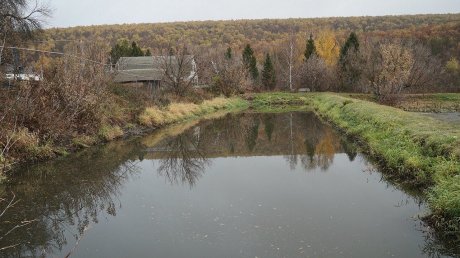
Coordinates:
(316,74)
(71,101)
(425,70)
(230,75)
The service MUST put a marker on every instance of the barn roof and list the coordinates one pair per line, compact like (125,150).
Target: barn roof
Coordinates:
(143,68)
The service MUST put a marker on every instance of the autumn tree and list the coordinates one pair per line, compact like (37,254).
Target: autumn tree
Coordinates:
(425,70)
(394,71)
(452,68)
(250,62)
(327,47)
(229,74)
(310,48)
(316,75)
(287,60)
(268,74)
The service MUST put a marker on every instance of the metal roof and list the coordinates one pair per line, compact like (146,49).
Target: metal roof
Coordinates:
(144,68)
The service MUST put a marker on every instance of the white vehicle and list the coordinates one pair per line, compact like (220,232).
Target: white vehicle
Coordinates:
(23,77)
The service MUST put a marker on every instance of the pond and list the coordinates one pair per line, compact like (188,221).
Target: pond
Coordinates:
(238,185)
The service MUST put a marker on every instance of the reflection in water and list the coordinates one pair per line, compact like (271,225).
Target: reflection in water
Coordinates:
(182,160)
(66,198)
(296,136)
(63,197)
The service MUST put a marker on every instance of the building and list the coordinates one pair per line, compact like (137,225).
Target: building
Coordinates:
(151,70)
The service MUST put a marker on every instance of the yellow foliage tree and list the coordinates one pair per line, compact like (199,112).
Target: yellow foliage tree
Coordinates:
(327,47)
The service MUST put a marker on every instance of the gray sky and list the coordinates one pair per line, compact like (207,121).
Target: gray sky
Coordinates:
(88,12)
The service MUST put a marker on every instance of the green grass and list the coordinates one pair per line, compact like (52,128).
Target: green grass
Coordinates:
(418,149)
(429,102)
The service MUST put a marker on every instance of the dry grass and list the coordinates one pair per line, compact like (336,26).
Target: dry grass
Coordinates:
(154,116)
(109,132)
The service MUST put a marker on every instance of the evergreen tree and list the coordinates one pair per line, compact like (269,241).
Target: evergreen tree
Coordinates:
(250,62)
(136,50)
(350,71)
(228,53)
(310,48)
(148,53)
(352,42)
(123,49)
(268,74)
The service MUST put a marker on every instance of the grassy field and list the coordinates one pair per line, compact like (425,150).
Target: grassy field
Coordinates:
(418,149)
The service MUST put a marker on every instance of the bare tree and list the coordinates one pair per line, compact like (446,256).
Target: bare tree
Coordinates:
(19,19)
(230,75)
(425,69)
(316,74)
(395,70)
(180,70)
(288,61)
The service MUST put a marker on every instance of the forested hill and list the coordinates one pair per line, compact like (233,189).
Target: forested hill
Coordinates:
(440,31)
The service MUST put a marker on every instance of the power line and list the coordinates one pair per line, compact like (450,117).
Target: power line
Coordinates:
(73,56)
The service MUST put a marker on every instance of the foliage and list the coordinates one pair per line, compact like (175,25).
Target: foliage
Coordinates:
(352,44)
(268,74)
(310,48)
(250,62)
(327,47)
(316,75)
(396,65)
(229,76)
(124,49)
(228,53)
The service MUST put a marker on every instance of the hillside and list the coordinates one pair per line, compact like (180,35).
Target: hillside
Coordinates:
(440,31)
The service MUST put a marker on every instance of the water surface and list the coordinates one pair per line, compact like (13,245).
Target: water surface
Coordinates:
(242,185)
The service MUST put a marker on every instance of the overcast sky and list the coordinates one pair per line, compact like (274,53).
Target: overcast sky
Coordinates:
(88,12)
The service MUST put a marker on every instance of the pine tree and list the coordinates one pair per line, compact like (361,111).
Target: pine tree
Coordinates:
(148,53)
(228,53)
(349,71)
(268,74)
(310,48)
(352,42)
(136,50)
(250,62)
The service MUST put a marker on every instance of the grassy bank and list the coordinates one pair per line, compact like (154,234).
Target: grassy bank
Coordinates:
(429,102)
(419,150)
(176,112)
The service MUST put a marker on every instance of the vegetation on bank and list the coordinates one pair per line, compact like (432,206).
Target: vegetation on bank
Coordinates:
(124,112)
(156,116)
(419,150)
(428,102)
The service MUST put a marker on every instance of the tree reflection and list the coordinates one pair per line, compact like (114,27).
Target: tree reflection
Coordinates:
(184,162)
(63,196)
